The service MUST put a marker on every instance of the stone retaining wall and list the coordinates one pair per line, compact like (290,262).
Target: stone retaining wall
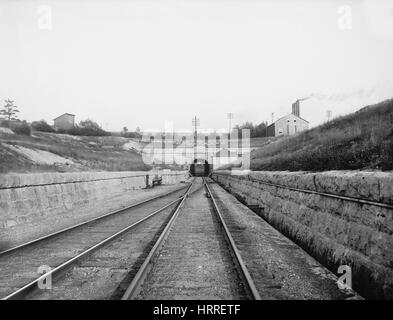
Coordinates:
(32,205)
(335,231)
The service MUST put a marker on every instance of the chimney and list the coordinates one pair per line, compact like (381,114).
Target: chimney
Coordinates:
(296,108)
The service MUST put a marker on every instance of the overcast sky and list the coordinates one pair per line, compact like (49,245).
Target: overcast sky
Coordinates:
(139,63)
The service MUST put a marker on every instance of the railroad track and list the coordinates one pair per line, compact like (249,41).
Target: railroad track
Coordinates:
(65,249)
(194,257)
(188,243)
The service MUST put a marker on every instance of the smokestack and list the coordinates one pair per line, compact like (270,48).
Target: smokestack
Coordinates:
(296,108)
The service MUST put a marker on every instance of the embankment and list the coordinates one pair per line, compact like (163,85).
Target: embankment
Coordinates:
(33,205)
(333,226)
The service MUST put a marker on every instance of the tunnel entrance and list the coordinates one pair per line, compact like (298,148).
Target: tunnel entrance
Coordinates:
(200,168)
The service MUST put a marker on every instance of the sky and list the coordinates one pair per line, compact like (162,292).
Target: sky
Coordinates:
(141,63)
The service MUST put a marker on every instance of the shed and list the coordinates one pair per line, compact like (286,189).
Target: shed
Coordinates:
(65,121)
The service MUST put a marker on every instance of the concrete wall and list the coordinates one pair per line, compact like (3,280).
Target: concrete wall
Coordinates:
(33,205)
(335,232)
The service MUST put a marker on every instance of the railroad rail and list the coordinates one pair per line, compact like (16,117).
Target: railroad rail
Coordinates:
(133,288)
(85,223)
(235,252)
(279,268)
(326,194)
(137,283)
(104,221)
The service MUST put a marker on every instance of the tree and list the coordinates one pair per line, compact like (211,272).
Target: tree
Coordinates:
(91,128)
(88,128)
(21,128)
(9,110)
(259,130)
(130,134)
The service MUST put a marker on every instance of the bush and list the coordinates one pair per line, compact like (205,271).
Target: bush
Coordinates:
(21,128)
(4,123)
(63,131)
(41,126)
(131,135)
(80,131)
(87,128)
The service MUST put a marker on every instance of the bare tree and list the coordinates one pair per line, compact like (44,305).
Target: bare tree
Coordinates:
(9,111)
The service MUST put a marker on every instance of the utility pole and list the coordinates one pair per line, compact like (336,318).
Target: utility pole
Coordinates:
(230,116)
(266,125)
(329,114)
(195,123)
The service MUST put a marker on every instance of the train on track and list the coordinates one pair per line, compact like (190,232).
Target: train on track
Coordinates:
(200,168)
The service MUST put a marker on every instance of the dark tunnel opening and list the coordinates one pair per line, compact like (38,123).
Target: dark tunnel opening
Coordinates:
(200,168)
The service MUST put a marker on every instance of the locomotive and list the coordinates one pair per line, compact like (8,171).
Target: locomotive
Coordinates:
(200,168)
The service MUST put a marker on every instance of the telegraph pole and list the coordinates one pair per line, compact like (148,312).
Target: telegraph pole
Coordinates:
(195,123)
(230,116)
(329,114)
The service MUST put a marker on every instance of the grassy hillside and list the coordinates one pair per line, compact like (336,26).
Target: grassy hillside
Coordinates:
(261,142)
(361,140)
(57,152)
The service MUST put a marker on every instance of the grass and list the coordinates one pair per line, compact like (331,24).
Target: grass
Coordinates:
(361,140)
(88,153)
(261,142)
